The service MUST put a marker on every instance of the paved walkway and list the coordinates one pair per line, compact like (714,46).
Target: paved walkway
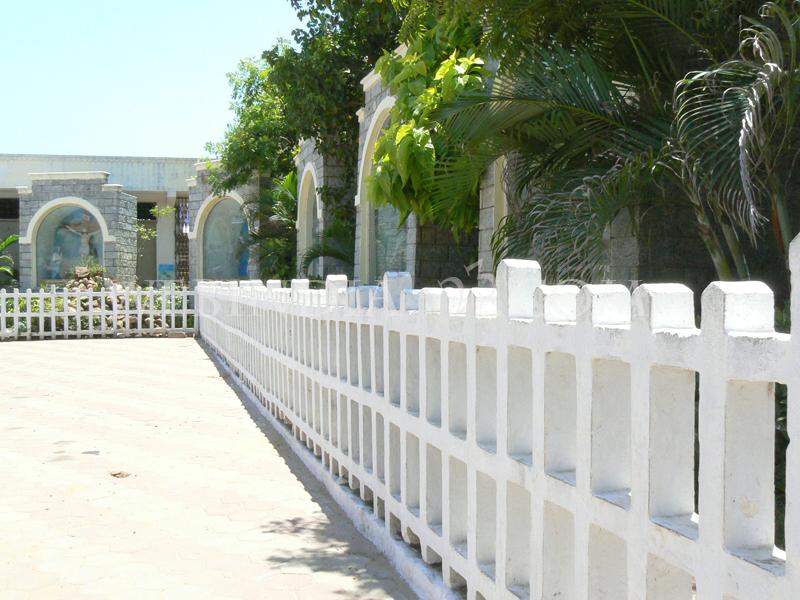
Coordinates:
(130,469)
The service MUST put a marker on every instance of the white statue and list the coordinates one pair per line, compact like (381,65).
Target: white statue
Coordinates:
(85,231)
(54,266)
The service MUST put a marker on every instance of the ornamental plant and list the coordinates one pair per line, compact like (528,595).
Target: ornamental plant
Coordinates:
(7,271)
(441,63)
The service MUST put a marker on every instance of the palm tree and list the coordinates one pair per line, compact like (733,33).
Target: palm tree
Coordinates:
(273,238)
(336,241)
(589,131)
(6,262)
(737,121)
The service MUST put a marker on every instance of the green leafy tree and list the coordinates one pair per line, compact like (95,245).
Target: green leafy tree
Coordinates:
(440,64)
(260,143)
(320,78)
(310,89)
(320,82)
(261,139)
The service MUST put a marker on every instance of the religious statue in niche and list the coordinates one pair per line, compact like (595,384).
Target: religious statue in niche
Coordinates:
(68,237)
(85,228)
(54,265)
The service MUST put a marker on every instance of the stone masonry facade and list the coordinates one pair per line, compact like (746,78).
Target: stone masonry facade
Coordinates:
(440,259)
(117,208)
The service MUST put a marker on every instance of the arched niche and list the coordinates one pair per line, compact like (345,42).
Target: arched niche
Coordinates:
(63,234)
(383,238)
(221,233)
(309,214)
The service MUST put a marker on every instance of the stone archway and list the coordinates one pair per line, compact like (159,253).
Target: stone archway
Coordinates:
(65,233)
(220,233)
(383,240)
(309,214)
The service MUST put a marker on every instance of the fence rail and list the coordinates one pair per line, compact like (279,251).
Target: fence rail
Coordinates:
(48,314)
(541,441)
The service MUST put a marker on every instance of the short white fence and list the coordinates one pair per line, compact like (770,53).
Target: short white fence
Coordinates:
(540,441)
(48,314)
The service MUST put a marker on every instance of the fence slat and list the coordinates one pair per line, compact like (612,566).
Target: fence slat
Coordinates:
(3,323)
(184,309)
(151,310)
(41,317)
(103,297)
(91,313)
(163,293)
(28,314)
(114,311)
(78,311)
(15,308)
(53,312)
(139,309)
(65,314)
(127,298)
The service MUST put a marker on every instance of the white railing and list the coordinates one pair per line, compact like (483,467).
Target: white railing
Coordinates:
(539,441)
(48,314)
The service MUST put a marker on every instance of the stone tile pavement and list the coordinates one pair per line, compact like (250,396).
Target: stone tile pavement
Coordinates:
(130,469)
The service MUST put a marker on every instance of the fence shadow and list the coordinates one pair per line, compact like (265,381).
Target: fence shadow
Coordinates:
(341,549)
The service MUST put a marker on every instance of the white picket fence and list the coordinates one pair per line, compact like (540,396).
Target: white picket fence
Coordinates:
(538,441)
(49,314)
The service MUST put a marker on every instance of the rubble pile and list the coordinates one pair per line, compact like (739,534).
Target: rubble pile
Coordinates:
(85,280)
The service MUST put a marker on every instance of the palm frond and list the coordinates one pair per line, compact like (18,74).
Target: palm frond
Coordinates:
(336,241)
(560,109)
(564,226)
(660,21)
(8,241)
(285,199)
(733,120)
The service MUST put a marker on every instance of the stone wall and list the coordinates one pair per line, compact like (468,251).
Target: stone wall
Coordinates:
(117,208)
(443,260)
(662,246)
(394,240)
(198,190)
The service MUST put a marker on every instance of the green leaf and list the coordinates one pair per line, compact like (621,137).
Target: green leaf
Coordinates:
(404,151)
(417,86)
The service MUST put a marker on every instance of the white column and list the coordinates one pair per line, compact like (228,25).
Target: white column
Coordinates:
(165,232)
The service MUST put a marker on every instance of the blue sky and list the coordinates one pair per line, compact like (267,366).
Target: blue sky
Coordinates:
(126,78)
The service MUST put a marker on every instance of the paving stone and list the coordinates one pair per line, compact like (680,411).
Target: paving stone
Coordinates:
(215,505)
